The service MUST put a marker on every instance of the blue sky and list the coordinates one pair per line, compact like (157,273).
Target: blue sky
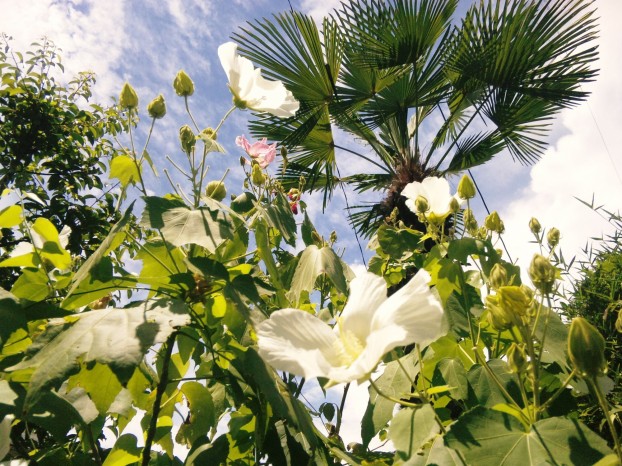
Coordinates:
(146,42)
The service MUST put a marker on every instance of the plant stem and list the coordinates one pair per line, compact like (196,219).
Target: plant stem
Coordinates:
(158,399)
(341,407)
(604,404)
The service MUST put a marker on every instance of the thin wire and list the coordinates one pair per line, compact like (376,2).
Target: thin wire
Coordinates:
(488,210)
(356,235)
(615,168)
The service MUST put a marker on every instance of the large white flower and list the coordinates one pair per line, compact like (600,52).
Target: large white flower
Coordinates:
(250,89)
(435,191)
(370,326)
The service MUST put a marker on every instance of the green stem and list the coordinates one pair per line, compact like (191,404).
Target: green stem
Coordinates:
(604,404)
(341,407)
(229,112)
(160,389)
(559,391)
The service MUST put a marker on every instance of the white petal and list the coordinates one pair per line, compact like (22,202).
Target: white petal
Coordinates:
(414,314)
(367,292)
(21,249)
(437,194)
(227,53)
(295,341)
(63,236)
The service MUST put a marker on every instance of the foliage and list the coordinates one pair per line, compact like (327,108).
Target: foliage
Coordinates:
(425,92)
(90,350)
(54,147)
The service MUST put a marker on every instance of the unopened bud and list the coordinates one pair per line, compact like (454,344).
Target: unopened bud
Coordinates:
(498,276)
(517,359)
(128,97)
(317,239)
(535,226)
(515,300)
(210,133)
(494,223)
(421,204)
(498,316)
(257,175)
(454,205)
(470,223)
(552,237)
(302,181)
(187,138)
(216,190)
(542,273)
(183,85)
(466,188)
(333,237)
(586,348)
(157,107)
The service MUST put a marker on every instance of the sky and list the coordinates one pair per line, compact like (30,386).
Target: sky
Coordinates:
(146,42)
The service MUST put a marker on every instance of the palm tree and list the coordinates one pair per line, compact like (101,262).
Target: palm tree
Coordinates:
(425,94)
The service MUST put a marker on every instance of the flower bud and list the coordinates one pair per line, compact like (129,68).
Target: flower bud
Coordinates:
(470,223)
(333,237)
(514,300)
(157,107)
(466,188)
(542,273)
(421,204)
(498,276)
(210,133)
(494,223)
(187,138)
(216,190)
(128,97)
(586,348)
(454,205)
(183,85)
(534,226)
(257,175)
(517,359)
(552,237)
(498,316)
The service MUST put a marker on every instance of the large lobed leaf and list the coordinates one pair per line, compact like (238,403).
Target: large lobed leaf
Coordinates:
(117,337)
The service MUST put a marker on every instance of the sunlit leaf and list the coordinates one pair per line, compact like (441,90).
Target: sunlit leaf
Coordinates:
(11,216)
(411,428)
(123,168)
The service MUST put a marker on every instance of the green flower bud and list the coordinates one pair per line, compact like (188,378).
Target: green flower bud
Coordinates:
(216,190)
(498,316)
(333,237)
(586,348)
(157,107)
(542,273)
(517,359)
(257,175)
(515,300)
(187,138)
(128,97)
(210,133)
(421,204)
(494,223)
(552,237)
(498,276)
(183,85)
(466,188)
(454,205)
(535,226)
(470,223)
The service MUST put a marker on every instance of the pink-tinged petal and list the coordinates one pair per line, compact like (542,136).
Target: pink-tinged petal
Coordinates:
(295,341)
(414,314)
(367,292)
(242,142)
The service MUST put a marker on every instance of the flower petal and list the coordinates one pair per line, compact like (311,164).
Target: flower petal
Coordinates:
(414,314)
(367,292)
(295,341)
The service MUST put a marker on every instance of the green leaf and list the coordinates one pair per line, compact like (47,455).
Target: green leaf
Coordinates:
(438,455)
(314,262)
(279,215)
(117,337)
(181,225)
(11,315)
(124,452)
(11,216)
(100,383)
(450,371)
(393,382)
(398,243)
(202,417)
(115,236)
(123,168)
(32,284)
(486,392)
(491,438)
(411,428)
